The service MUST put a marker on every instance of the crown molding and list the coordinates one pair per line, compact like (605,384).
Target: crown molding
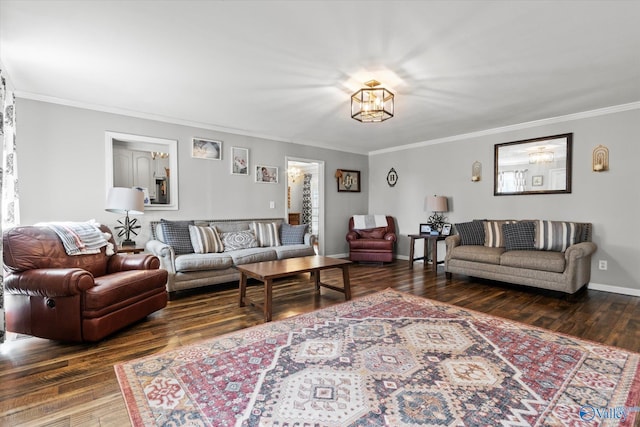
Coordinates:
(519,126)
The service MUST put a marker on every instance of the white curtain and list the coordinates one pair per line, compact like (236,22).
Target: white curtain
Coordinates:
(10,213)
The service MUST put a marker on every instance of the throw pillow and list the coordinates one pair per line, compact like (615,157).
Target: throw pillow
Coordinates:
(235,240)
(519,236)
(373,233)
(205,240)
(471,233)
(493,237)
(292,234)
(176,235)
(557,235)
(266,233)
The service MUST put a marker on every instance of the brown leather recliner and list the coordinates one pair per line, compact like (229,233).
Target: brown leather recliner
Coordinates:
(50,294)
(372,245)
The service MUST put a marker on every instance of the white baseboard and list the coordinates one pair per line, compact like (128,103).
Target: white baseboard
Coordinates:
(614,289)
(338,256)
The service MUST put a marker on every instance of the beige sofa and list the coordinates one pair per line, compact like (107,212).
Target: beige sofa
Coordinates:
(565,269)
(193,270)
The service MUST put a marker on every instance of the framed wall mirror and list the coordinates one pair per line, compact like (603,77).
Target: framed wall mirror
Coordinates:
(144,162)
(533,166)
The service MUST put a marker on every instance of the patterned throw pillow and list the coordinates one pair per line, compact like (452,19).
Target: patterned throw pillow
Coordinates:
(557,235)
(176,235)
(493,237)
(292,234)
(205,240)
(471,233)
(235,240)
(266,233)
(519,236)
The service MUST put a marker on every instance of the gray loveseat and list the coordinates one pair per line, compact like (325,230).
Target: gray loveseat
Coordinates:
(188,269)
(553,255)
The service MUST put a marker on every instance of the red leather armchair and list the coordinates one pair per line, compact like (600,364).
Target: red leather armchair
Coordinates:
(372,245)
(50,294)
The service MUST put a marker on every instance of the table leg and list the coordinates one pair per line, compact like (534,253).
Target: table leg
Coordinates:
(426,253)
(346,282)
(434,255)
(268,287)
(316,275)
(243,289)
(411,251)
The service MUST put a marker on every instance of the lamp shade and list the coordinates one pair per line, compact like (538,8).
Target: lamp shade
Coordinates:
(436,204)
(124,200)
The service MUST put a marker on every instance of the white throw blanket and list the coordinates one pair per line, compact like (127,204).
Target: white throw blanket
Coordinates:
(363,222)
(81,238)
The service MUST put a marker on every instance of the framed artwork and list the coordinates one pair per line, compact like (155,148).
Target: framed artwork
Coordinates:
(536,181)
(425,229)
(239,161)
(446,229)
(266,174)
(206,149)
(349,181)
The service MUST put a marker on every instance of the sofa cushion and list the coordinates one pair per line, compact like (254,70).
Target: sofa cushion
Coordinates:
(176,235)
(493,237)
(519,236)
(292,234)
(372,233)
(534,260)
(267,233)
(477,254)
(293,251)
(246,256)
(235,240)
(205,240)
(557,235)
(199,262)
(471,233)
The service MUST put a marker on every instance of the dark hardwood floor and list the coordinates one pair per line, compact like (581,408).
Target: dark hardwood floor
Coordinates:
(55,384)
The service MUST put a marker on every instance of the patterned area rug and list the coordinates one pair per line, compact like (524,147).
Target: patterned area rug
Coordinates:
(389,359)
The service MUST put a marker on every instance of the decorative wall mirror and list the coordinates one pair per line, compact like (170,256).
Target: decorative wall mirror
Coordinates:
(145,162)
(533,166)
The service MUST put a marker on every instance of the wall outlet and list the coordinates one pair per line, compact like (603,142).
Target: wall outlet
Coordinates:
(602,264)
(272,205)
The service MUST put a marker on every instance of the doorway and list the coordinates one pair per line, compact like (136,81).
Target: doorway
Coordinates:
(304,196)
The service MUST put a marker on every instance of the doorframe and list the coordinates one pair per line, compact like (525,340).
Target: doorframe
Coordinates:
(321,201)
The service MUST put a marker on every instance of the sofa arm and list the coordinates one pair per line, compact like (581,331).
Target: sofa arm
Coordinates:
(579,250)
(165,254)
(452,241)
(352,235)
(310,239)
(121,262)
(390,236)
(49,282)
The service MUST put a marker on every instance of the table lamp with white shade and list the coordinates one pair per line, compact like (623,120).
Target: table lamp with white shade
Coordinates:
(437,205)
(126,201)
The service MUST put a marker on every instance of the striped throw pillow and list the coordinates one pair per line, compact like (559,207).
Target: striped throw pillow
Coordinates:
(266,233)
(205,240)
(493,237)
(557,235)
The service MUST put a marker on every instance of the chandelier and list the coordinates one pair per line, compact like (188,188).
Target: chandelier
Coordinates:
(373,104)
(541,156)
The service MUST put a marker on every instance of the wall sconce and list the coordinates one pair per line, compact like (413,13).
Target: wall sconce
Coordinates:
(476,171)
(600,159)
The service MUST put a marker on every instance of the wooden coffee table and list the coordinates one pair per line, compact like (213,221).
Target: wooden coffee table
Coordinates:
(267,271)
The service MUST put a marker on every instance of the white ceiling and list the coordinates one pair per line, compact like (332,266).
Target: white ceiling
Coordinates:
(286,69)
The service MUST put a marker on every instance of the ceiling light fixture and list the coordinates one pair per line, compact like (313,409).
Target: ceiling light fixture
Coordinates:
(541,156)
(373,104)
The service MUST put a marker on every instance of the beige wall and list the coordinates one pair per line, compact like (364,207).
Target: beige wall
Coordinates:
(62,172)
(610,200)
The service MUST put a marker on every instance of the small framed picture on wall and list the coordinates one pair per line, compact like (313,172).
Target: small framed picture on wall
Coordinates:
(266,174)
(206,149)
(239,161)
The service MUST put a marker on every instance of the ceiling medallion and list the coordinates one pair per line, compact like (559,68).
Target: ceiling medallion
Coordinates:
(373,104)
